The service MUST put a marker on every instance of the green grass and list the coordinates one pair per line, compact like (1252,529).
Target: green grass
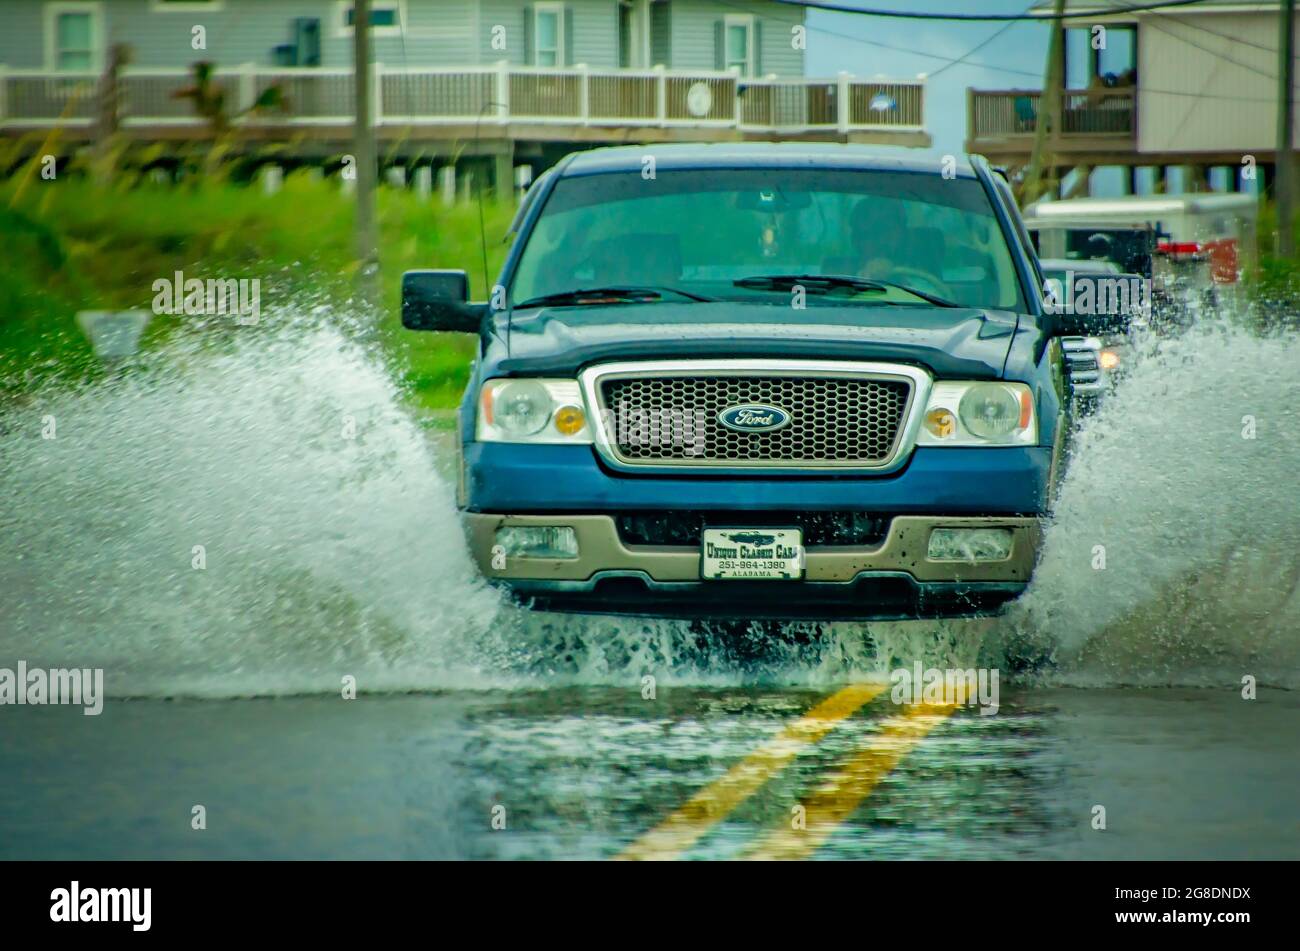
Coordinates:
(70,245)
(1274,285)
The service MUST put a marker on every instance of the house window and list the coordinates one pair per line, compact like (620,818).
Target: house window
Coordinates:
(385,18)
(73,32)
(548,34)
(634,33)
(1088,65)
(738,44)
(1119,58)
(625,18)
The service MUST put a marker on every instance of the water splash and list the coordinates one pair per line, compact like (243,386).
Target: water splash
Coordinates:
(1174,553)
(328,542)
(332,547)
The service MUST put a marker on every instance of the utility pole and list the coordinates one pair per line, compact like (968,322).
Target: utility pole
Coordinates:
(1049,106)
(1284,187)
(363,145)
(110,110)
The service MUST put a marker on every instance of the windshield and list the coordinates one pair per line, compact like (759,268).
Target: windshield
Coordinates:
(700,231)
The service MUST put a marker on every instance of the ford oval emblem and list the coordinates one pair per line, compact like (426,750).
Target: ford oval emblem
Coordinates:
(754,418)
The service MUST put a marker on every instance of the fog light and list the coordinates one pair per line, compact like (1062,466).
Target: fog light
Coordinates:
(538,541)
(970,544)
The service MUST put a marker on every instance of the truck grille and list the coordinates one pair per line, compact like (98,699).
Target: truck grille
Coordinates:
(832,419)
(686,528)
(1083,363)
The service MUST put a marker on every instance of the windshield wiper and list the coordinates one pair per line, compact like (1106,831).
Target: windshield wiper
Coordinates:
(620,294)
(822,283)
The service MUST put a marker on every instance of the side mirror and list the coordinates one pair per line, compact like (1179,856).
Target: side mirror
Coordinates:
(439,300)
(1089,305)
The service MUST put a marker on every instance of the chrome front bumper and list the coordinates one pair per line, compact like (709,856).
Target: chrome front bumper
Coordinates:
(892,579)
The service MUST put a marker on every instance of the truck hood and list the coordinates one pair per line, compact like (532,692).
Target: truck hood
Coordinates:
(949,341)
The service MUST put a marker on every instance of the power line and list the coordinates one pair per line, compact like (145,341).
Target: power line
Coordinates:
(1223,36)
(948,60)
(962,60)
(982,17)
(979,46)
(1219,58)
(1215,53)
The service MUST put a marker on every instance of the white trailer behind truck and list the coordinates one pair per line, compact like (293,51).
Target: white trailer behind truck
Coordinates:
(1199,244)
(1209,233)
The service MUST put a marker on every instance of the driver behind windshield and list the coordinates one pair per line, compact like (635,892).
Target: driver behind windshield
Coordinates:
(884,247)
(877,231)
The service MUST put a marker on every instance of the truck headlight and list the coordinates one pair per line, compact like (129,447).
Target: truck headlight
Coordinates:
(527,409)
(989,411)
(979,414)
(521,407)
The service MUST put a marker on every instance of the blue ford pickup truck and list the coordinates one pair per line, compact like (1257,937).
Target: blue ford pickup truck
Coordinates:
(759,381)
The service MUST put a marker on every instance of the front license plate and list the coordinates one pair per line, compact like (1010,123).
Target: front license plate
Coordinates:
(766,553)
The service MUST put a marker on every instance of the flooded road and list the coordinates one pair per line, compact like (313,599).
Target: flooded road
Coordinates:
(235,529)
(600,772)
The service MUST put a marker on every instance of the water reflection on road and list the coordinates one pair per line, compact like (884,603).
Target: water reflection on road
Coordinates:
(589,772)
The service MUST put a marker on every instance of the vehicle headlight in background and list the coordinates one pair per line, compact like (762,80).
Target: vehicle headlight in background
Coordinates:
(1108,359)
(533,410)
(979,414)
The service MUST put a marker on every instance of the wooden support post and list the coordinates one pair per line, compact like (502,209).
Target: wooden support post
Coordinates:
(367,249)
(1049,106)
(1284,191)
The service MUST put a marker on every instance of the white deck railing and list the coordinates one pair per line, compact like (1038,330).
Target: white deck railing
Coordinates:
(501,94)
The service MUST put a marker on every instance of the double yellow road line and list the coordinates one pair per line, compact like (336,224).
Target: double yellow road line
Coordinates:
(825,807)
